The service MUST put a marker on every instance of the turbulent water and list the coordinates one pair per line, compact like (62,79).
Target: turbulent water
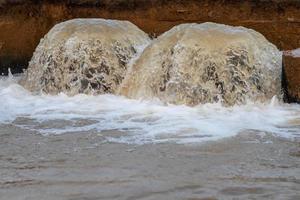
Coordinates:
(191,64)
(206,63)
(87,56)
(207,66)
(140,122)
(66,134)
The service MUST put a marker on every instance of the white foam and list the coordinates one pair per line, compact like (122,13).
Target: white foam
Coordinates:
(141,121)
(296,52)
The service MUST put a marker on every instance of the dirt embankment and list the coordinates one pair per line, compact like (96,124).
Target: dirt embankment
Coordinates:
(24,22)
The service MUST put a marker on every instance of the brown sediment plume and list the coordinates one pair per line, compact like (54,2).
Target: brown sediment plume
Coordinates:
(206,63)
(88,56)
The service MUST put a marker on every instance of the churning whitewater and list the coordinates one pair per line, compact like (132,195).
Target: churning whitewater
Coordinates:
(190,64)
(140,122)
(193,64)
(231,76)
(89,56)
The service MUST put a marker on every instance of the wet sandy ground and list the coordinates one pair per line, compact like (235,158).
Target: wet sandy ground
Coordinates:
(84,166)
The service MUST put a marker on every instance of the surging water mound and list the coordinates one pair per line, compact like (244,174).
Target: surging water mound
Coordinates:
(84,56)
(205,63)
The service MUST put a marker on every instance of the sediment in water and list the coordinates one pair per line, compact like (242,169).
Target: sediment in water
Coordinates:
(206,63)
(84,56)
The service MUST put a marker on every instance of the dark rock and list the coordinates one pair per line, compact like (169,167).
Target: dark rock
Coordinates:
(291,78)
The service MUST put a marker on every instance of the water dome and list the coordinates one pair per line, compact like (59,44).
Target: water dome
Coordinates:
(84,56)
(206,63)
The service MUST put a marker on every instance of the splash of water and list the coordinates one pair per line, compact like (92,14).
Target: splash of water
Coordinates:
(294,53)
(206,63)
(207,66)
(141,121)
(87,56)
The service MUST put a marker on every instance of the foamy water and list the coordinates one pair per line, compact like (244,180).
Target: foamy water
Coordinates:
(141,121)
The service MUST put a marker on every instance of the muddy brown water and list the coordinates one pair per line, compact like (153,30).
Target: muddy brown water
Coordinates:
(85,166)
